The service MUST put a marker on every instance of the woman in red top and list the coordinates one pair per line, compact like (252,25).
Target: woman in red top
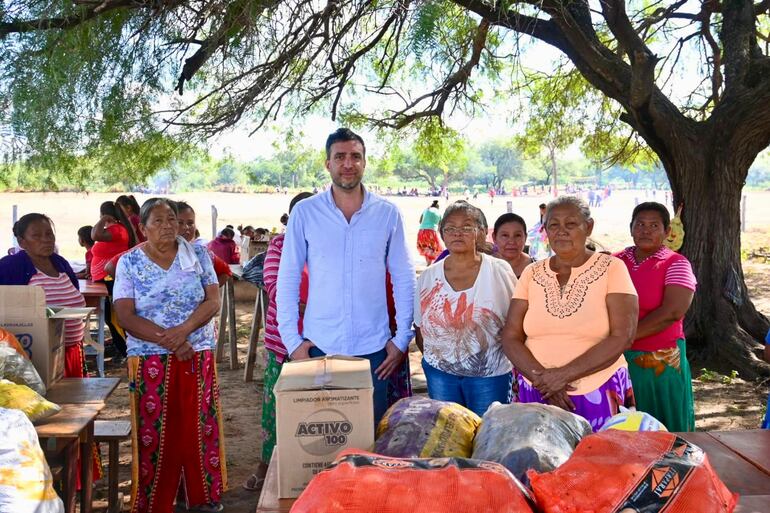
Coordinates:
(112,235)
(130,207)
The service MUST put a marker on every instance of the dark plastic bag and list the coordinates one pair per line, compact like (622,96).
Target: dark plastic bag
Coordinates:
(528,436)
(420,427)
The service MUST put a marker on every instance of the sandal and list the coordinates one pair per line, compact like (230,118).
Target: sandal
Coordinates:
(255,482)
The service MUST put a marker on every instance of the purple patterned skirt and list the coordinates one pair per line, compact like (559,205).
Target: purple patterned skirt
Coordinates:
(597,406)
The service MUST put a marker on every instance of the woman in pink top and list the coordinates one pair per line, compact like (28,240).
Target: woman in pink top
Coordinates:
(225,247)
(571,318)
(665,282)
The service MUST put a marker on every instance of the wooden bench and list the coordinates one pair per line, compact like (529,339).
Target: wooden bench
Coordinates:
(112,432)
(762,253)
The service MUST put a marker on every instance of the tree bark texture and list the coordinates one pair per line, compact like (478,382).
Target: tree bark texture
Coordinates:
(722,325)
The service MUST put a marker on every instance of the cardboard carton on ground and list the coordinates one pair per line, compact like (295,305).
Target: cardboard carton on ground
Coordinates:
(323,405)
(40,329)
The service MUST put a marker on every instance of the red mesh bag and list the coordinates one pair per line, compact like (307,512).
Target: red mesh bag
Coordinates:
(364,482)
(633,472)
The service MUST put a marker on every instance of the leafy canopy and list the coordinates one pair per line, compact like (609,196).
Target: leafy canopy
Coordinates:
(88,86)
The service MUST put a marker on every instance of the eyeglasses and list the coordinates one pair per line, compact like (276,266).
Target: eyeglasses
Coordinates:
(464,230)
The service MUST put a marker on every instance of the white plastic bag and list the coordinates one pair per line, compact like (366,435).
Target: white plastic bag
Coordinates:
(25,480)
(14,367)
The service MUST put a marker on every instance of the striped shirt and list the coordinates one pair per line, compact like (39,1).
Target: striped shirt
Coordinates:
(273,341)
(60,291)
(651,276)
(679,271)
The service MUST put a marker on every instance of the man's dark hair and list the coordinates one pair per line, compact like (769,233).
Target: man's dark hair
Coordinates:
(542,206)
(227,232)
(652,206)
(342,135)
(84,232)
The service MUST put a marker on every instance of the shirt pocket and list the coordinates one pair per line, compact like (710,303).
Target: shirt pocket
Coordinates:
(371,245)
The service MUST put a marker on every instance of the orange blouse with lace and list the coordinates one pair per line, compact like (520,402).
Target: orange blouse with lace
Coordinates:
(563,323)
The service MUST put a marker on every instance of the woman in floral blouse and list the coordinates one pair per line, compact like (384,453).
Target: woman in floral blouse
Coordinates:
(166,295)
(459,312)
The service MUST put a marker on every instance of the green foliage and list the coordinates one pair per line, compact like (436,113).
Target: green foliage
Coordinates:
(502,158)
(710,376)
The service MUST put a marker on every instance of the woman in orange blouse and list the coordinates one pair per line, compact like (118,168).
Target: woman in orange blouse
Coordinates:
(571,318)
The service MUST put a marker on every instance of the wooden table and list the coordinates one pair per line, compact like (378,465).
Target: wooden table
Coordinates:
(227,329)
(82,390)
(258,319)
(268,499)
(71,432)
(740,458)
(96,296)
(227,333)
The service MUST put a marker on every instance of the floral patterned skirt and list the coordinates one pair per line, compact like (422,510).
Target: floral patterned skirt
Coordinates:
(178,439)
(428,243)
(597,406)
(272,371)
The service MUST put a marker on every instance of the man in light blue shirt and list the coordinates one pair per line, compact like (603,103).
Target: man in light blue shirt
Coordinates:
(348,238)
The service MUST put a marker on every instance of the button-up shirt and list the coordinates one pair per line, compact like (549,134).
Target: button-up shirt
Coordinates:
(347,310)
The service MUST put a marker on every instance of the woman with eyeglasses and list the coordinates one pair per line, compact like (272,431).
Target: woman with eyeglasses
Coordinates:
(459,313)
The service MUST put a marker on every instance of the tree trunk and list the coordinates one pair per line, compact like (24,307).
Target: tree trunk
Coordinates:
(722,325)
(552,153)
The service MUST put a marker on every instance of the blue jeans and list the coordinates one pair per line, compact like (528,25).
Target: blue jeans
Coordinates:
(475,393)
(380,397)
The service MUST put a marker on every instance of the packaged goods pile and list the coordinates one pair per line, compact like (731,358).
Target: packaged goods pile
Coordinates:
(528,436)
(551,451)
(419,427)
(626,471)
(21,397)
(360,482)
(15,365)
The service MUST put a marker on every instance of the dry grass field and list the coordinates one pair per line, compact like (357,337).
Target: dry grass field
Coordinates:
(72,210)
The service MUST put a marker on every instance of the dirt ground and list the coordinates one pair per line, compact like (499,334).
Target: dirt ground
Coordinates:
(722,402)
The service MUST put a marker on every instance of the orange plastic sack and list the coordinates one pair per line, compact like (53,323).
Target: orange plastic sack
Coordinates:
(359,482)
(642,472)
(9,339)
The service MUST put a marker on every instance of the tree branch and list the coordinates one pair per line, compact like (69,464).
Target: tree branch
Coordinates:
(642,60)
(716,56)
(739,42)
(64,22)
(440,96)
(234,20)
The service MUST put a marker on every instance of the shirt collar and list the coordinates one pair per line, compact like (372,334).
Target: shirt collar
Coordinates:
(330,198)
(660,254)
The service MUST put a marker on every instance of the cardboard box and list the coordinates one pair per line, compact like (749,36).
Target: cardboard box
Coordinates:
(39,328)
(323,405)
(251,248)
